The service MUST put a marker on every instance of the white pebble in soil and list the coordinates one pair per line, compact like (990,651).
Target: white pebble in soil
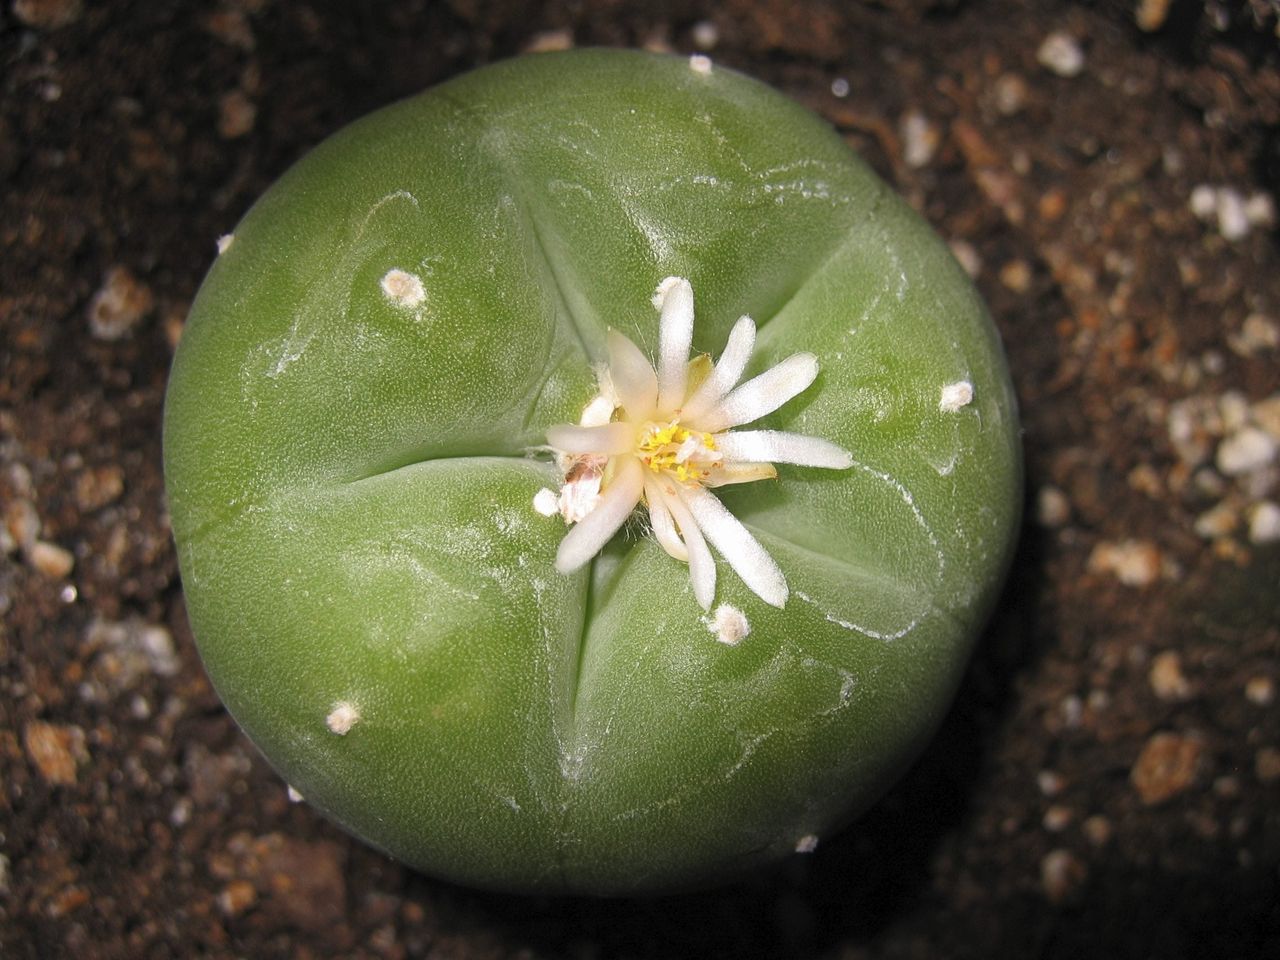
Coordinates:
(1264,523)
(119,305)
(807,844)
(1060,53)
(1135,563)
(1244,451)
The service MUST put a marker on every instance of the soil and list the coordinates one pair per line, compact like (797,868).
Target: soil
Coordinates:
(1108,781)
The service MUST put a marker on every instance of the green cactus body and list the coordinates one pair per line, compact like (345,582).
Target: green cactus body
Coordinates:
(351,439)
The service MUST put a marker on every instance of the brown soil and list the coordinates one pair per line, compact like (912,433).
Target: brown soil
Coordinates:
(1108,783)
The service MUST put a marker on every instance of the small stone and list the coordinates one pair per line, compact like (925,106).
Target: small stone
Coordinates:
(1193,423)
(180,814)
(97,487)
(1219,521)
(1052,205)
(705,35)
(1060,53)
(1071,711)
(1209,483)
(1233,409)
(53,561)
(1213,362)
(130,650)
(67,900)
(1233,219)
(237,897)
(1166,677)
(236,115)
(1135,563)
(1264,522)
(47,14)
(1097,830)
(968,257)
(1016,276)
(550,41)
(1266,764)
(22,522)
(1010,92)
(1057,818)
(1266,415)
(213,778)
(1245,450)
(1053,509)
(1061,875)
(920,139)
(1227,785)
(1145,479)
(1151,14)
(1260,210)
(301,881)
(840,88)
(232,27)
(1257,333)
(1050,782)
(54,750)
(1166,767)
(119,305)
(1203,201)
(1260,691)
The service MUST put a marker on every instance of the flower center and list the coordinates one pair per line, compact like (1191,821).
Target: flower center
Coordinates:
(689,455)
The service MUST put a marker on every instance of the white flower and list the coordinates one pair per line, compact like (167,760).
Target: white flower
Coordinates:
(663,437)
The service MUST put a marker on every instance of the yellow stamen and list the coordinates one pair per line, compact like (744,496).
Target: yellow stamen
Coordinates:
(660,449)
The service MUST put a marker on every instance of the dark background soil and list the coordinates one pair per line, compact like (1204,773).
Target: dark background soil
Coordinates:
(1108,782)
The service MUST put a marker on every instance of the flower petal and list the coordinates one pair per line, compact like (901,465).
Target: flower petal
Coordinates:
(763,394)
(702,566)
(675,335)
(633,378)
(779,446)
(727,371)
(736,544)
(740,471)
(607,440)
(593,531)
(664,529)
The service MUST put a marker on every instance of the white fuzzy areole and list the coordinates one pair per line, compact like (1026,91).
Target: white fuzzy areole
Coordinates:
(403,288)
(342,718)
(956,396)
(546,502)
(729,624)
(224,242)
(807,844)
(700,64)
